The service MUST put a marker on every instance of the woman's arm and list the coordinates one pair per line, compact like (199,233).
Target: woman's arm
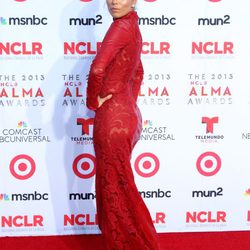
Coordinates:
(116,38)
(137,80)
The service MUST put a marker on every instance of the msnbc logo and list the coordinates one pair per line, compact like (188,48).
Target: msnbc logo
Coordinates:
(3,21)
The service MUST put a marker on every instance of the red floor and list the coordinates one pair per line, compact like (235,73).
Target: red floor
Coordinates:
(168,241)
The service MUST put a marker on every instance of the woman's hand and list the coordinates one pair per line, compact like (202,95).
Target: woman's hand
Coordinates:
(104,99)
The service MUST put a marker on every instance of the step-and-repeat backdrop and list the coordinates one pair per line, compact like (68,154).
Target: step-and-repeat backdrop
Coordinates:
(192,163)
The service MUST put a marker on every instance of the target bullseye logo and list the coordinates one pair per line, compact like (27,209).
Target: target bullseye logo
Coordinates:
(22,167)
(147,164)
(84,166)
(208,164)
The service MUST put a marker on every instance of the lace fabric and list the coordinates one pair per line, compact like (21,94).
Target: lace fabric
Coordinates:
(123,217)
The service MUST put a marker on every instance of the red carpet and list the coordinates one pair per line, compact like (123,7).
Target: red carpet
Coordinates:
(168,241)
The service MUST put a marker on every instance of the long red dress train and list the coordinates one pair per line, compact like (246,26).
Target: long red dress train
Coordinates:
(123,218)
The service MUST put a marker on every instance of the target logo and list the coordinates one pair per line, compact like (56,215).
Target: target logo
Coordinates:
(84,166)
(22,167)
(147,165)
(208,164)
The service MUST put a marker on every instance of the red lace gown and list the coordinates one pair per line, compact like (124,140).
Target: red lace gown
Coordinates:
(123,218)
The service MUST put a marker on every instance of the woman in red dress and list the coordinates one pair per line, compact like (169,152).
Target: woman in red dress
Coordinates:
(113,86)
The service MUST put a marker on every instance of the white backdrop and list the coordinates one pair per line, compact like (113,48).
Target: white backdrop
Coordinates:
(192,162)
